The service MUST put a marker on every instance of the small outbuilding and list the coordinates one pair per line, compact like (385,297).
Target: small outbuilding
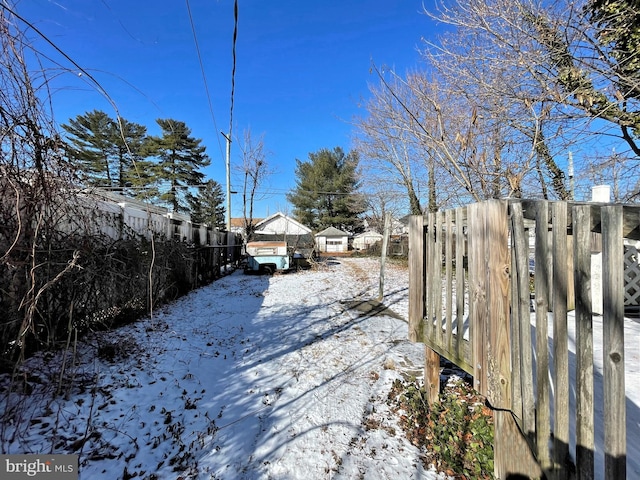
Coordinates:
(365,240)
(332,240)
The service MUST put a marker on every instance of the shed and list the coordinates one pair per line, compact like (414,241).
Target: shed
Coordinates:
(365,240)
(332,240)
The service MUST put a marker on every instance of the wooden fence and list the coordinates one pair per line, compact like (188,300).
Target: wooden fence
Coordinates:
(476,275)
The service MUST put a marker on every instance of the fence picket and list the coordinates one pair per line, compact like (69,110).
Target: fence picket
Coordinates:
(560,340)
(460,283)
(499,349)
(613,348)
(417,278)
(448,258)
(581,217)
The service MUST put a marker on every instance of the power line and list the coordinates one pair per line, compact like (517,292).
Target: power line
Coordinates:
(204,77)
(229,136)
(97,84)
(233,66)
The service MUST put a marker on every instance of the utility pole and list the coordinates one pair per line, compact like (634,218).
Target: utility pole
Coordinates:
(572,186)
(228,164)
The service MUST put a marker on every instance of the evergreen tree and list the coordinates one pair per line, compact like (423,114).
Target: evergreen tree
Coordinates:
(326,191)
(207,206)
(180,156)
(130,151)
(91,147)
(106,151)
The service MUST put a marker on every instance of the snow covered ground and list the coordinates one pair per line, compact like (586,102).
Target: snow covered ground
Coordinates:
(251,377)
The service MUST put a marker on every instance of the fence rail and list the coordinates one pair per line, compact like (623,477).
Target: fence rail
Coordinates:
(491,288)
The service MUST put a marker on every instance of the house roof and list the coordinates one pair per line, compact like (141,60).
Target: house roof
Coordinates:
(238,222)
(277,215)
(332,232)
(369,234)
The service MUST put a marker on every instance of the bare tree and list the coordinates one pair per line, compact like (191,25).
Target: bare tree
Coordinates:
(387,147)
(255,171)
(564,81)
(33,186)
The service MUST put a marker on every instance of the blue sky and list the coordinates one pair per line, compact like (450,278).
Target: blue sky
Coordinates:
(301,69)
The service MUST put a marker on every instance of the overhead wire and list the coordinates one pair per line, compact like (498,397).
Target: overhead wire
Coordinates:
(204,76)
(97,84)
(233,66)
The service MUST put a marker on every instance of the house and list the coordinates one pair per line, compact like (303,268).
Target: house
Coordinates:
(280,231)
(332,240)
(398,226)
(281,224)
(365,240)
(237,224)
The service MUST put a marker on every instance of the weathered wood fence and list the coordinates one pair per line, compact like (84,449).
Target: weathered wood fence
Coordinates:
(476,275)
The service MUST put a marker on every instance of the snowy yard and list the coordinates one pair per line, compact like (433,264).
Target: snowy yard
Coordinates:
(250,377)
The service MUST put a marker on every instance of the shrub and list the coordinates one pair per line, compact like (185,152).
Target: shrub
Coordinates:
(455,433)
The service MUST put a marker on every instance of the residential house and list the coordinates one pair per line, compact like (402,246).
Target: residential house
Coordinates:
(282,228)
(281,224)
(237,225)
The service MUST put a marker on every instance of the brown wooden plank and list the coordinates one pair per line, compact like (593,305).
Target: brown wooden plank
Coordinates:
(431,374)
(416,277)
(498,362)
(477,294)
(460,283)
(521,324)
(437,279)
(613,344)
(543,426)
(513,457)
(584,343)
(461,361)
(571,294)
(560,340)
(431,281)
(449,239)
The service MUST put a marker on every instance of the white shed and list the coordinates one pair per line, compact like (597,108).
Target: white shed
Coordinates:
(332,240)
(365,240)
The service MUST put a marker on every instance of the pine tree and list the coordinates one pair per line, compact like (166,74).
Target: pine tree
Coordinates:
(130,150)
(326,191)
(207,206)
(91,147)
(180,156)
(107,153)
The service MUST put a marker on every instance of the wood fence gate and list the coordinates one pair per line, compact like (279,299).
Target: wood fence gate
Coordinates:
(492,288)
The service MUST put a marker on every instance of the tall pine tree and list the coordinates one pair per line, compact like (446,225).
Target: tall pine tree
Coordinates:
(180,158)
(106,152)
(326,191)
